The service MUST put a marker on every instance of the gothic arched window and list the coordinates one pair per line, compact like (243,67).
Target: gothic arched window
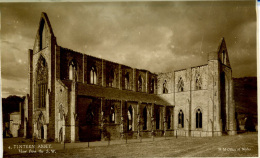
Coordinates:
(42,82)
(93,75)
(130,118)
(198,81)
(180,85)
(145,118)
(165,87)
(140,84)
(127,82)
(111,78)
(73,70)
(112,114)
(181,119)
(198,119)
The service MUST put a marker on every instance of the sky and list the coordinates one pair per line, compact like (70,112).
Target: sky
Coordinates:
(157,36)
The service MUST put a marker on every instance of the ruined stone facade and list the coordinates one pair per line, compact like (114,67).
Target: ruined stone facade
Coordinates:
(78,97)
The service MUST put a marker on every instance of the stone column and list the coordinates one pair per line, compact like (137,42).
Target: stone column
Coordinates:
(72,111)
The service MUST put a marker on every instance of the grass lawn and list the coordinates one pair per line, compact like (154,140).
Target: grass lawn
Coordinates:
(242,145)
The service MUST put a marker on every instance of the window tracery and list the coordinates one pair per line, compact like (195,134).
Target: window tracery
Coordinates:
(180,85)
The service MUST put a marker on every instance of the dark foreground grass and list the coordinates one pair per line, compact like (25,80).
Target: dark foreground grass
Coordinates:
(243,145)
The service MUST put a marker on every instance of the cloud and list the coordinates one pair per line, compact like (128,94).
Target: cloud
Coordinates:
(157,36)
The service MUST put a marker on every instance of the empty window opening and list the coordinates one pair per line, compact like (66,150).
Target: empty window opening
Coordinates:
(127,81)
(180,85)
(111,78)
(181,119)
(93,75)
(165,87)
(198,119)
(140,84)
(112,114)
(198,81)
(73,70)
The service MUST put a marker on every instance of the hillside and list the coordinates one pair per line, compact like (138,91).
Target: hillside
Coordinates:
(245,95)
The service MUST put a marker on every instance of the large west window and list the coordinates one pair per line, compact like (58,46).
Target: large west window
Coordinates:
(42,82)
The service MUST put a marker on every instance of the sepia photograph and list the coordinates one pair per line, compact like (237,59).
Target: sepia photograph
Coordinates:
(129,79)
